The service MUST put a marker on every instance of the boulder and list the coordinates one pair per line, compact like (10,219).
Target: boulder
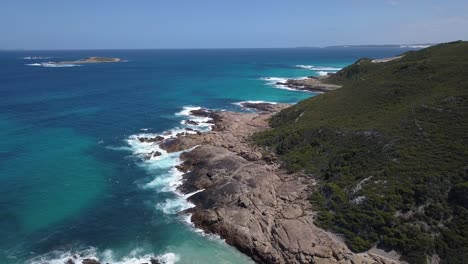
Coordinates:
(153,139)
(171,145)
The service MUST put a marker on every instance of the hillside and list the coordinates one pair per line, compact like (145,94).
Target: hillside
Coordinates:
(390,152)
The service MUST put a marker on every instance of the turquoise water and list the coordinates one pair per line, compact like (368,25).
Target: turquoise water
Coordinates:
(72,177)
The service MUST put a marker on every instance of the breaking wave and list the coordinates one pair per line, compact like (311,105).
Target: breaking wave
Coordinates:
(252,102)
(52,65)
(106,256)
(276,82)
(167,177)
(318,68)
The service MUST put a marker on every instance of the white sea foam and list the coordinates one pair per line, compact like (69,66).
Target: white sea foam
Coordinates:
(178,204)
(35,58)
(415,46)
(253,102)
(273,81)
(170,180)
(186,110)
(318,68)
(203,122)
(52,65)
(322,73)
(106,256)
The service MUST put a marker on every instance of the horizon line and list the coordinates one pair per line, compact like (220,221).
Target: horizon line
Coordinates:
(224,48)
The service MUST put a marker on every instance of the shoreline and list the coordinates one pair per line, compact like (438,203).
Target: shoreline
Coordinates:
(310,84)
(241,193)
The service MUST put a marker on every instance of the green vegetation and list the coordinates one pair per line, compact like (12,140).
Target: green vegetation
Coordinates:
(390,150)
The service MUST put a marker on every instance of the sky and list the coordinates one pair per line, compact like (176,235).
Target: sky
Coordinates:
(146,24)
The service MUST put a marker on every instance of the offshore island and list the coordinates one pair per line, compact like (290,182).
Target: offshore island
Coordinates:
(89,60)
(92,60)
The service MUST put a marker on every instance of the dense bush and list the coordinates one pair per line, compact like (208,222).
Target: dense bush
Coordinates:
(390,150)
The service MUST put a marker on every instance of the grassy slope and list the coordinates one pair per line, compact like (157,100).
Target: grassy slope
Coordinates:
(401,130)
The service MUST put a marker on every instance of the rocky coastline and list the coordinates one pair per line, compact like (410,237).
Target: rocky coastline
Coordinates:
(242,194)
(311,84)
(248,199)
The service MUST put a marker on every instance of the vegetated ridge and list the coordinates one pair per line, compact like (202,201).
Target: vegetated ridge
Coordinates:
(390,153)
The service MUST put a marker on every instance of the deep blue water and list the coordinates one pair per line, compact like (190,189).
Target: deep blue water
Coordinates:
(70,179)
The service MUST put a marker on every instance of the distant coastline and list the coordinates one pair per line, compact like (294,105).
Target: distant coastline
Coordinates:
(410,46)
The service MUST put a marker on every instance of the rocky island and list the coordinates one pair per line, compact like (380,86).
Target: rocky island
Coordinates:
(88,61)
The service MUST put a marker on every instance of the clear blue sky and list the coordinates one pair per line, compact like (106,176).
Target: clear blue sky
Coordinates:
(88,24)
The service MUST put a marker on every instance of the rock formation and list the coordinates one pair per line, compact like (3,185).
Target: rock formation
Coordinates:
(250,201)
(311,84)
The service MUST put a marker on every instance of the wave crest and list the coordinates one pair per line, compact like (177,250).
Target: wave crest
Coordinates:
(171,178)
(52,65)
(318,68)
(276,82)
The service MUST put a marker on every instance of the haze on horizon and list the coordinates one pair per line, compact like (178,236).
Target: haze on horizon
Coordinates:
(107,24)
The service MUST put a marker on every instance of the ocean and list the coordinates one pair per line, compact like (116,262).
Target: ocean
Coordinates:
(74,181)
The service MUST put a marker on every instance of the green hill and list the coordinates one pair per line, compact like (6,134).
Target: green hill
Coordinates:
(390,150)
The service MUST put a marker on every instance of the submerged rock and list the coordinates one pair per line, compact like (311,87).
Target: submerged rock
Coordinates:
(201,112)
(171,145)
(191,123)
(152,154)
(154,261)
(153,139)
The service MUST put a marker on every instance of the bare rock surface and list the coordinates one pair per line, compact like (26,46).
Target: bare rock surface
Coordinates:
(311,84)
(386,59)
(250,201)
